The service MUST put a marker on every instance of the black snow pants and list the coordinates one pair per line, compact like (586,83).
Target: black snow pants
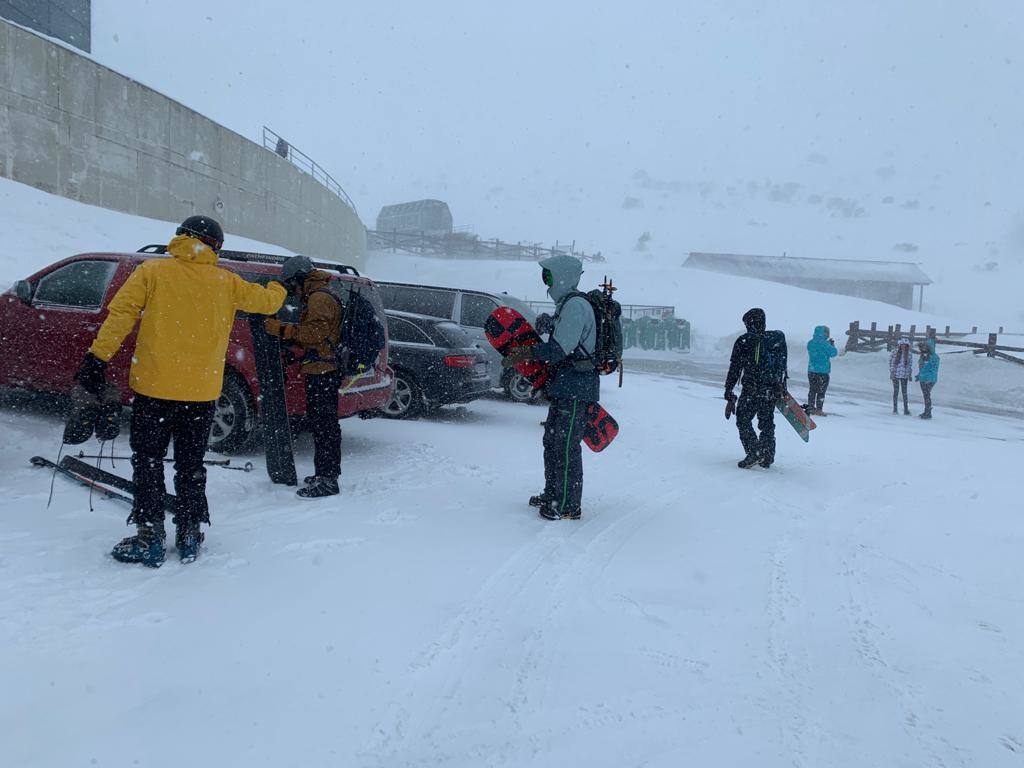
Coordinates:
(763,407)
(926,393)
(818,384)
(897,386)
(154,423)
(563,453)
(322,420)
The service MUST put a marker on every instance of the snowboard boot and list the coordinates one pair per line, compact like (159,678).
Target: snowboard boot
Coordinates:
(310,480)
(539,500)
(187,539)
(765,462)
(323,486)
(895,411)
(748,461)
(926,415)
(146,547)
(550,511)
(906,411)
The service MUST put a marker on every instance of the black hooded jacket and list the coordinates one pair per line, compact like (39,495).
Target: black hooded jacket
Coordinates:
(759,358)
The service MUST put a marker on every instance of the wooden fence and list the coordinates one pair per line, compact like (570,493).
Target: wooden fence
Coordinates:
(874,338)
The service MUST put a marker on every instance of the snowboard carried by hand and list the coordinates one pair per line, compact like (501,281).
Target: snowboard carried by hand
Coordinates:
(506,329)
(795,415)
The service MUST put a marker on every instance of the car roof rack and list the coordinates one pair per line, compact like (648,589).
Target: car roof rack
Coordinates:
(260,258)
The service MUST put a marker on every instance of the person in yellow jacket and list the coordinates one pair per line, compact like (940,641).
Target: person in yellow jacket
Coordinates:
(185,308)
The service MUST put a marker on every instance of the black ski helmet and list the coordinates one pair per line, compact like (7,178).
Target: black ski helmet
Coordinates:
(204,229)
(296,268)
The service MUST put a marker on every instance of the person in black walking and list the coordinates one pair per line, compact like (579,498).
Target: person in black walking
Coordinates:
(759,360)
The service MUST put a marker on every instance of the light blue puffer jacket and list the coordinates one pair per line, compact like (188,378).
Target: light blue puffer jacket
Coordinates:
(820,352)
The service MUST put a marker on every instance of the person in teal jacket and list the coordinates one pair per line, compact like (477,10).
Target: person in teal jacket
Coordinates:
(927,373)
(820,351)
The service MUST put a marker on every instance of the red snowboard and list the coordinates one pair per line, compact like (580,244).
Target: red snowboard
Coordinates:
(506,329)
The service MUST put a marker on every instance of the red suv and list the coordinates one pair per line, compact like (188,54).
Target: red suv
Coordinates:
(48,321)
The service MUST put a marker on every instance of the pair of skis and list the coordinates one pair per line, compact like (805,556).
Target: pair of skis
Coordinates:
(107,484)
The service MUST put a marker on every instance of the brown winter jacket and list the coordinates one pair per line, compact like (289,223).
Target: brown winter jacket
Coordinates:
(319,328)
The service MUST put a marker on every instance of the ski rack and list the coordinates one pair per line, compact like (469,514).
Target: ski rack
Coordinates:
(259,258)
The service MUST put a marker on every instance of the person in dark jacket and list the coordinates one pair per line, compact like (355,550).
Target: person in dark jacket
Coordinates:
(573,386)
(318,333)
(184,308)
(759,360)
(820,351)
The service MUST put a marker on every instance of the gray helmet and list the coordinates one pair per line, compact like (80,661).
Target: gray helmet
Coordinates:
(296,268)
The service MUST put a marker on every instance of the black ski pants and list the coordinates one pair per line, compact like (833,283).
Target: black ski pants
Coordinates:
(154,424)
(322,420)
(763,407)
(563,453)
(897,386)
(926,393)
(818,384)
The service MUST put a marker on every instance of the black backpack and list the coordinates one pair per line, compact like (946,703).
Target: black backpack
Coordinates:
(607,355)
(362,336)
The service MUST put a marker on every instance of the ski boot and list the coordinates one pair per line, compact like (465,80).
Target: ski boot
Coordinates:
(187,539)
(550,511)
(321,487)
(539,500)
(748,461)
(146,547)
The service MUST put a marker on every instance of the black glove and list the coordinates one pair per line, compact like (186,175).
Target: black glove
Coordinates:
(730,404)
(91,374)
(545,323)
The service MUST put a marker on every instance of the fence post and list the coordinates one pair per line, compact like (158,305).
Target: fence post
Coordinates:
(990,350)
(852,336)
(947,331)
(974,329)
(1000,329)
(871,337)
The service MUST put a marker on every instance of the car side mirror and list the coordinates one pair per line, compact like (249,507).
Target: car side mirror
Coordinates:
(23,290)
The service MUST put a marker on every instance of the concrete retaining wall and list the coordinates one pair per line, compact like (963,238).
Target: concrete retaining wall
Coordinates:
(74,128)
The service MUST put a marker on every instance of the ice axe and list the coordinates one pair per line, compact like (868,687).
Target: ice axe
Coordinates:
(222,463)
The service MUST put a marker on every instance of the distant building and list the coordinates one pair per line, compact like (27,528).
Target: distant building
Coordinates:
(890,281)
(67,20)
(430,217)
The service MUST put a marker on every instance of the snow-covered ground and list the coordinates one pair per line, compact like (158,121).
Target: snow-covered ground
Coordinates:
(856,605)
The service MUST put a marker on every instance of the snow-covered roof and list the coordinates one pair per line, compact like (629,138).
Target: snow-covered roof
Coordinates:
(787,267)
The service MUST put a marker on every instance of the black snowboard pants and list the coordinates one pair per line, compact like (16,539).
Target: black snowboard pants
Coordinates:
(897,386)
(926,393)
(563,453)
(154,424)
(818,384)
(763,407)
(322,420)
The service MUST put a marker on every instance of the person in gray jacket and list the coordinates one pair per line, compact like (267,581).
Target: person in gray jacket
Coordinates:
(572,387)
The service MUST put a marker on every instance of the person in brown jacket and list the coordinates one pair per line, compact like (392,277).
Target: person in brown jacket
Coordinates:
(318,333)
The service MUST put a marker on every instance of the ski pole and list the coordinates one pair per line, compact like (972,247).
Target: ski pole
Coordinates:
(222,463)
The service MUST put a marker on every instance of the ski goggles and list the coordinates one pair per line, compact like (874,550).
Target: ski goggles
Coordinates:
(214,244)
(547,277)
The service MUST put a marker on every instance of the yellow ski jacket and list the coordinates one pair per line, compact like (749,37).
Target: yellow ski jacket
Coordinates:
(187,307)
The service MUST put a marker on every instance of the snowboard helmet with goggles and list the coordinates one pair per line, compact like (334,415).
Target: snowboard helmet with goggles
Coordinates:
(204,229)
(295,270)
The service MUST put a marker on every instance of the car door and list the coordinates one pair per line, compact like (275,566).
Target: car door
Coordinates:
(474,309)
(51,336)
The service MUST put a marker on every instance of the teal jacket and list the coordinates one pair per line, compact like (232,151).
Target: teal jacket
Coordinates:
(820,352)
(928,371)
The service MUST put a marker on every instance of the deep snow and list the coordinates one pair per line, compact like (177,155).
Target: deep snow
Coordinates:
(854,606)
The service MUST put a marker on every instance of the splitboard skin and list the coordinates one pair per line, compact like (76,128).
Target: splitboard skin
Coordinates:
(273,413)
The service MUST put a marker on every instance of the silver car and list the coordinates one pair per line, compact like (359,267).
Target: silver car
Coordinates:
(469,310)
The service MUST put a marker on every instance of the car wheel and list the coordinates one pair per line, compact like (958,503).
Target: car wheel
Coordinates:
(406,401)
(234,418)
(519,389)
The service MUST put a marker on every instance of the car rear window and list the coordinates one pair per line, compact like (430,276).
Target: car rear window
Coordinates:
(421,301)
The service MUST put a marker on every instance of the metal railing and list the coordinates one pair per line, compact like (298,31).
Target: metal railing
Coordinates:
(302,161)
(629,311)
(464,245)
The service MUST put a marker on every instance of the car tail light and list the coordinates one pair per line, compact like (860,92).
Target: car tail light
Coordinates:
(460,361)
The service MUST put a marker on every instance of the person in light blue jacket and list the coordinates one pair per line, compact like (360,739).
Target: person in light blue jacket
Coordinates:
(927,373)
(820,351)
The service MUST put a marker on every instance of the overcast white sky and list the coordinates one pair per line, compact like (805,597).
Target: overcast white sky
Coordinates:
(510,111)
